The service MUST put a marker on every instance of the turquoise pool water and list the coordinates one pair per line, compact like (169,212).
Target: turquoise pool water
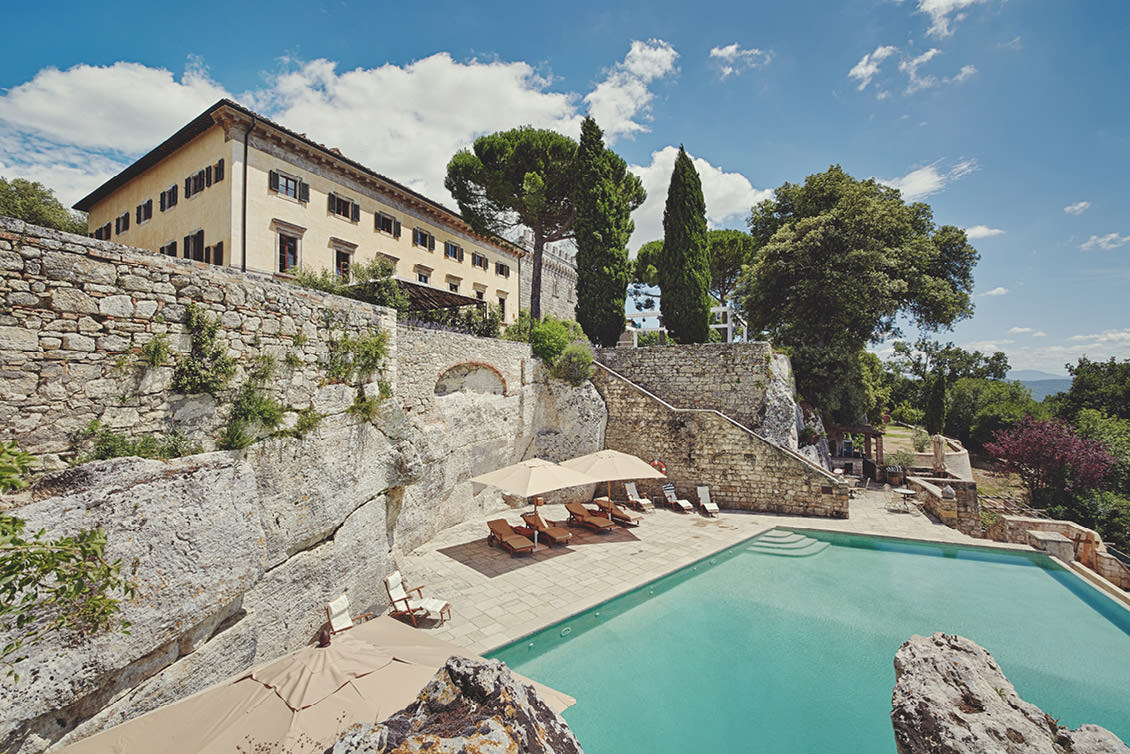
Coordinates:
(756,652)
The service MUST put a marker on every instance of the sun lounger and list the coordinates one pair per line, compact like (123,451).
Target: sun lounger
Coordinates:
(617,514)
(634,499)
(337,613)
(413,607)
(581,516)
(675,501)
(503,533)
(709,508)
(555,535)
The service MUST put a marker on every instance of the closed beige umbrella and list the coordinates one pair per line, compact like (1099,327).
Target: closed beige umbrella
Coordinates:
(300,703)
(611,466)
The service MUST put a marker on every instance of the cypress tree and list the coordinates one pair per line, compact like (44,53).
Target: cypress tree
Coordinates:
(684,268)
(606,193)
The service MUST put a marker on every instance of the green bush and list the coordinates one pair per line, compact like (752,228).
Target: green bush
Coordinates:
(15,465)
(371,282)
(920,440)
(308,421)
(574,365)
(363,407)
(208,368)
(548,339)
(356,357)
(106,443)
(236,436)
(902,458)
(156,351)
(907,414)
(253,406)
(519,330)
(808,436)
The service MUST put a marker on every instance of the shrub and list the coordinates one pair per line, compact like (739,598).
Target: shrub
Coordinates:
(574,365)
(308,421)
(208,368)
(902,458)
(355,357)
(482,321)
(907,414)
(237,435)
(809,435)
(15,465)
(920,440)
(519,330)
(156,351)
(106,443)
(253,406)
(363,407)
(371,282)
(548,339)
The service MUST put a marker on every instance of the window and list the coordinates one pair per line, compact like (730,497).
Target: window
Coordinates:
(170,249)
(387,224)
(422,277)
(218,171)
(194,246)
(169,198)
(287,185)
(288,252)
(480,293)
(214,254)
(502,306)
(346,208)
(144,211)
(102,233)
(478,260)
(502,269)
(197,182)
(423,239)
(453,283)
(121,223)
(451,251)
(341,263)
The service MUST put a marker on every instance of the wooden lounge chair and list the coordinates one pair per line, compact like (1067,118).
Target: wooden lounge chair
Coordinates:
(581,516)
(504,534)
(675,501)
(708,507)
(413,607)
(634,499)
(337,614)
(555,535)
(617,514)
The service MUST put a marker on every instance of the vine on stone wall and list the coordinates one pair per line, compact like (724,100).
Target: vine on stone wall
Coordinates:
(208,367)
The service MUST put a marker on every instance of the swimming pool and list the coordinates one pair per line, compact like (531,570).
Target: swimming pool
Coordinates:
(757,652)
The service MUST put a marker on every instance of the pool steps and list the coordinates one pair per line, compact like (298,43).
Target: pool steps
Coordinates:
(787,543)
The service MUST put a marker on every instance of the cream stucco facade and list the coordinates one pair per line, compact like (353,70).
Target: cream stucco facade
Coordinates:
(305,205)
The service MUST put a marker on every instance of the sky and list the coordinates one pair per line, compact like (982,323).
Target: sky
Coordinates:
(1011,118)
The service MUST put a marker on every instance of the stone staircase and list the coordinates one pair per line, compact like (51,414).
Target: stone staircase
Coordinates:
(788,544)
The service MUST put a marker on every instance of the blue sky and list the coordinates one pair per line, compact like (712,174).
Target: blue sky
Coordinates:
(1011,119)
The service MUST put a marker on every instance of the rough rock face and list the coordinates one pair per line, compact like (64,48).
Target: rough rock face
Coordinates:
(779,421)
(470,705)
(951,697)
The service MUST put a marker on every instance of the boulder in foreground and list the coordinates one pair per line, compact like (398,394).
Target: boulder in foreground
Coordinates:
(951,697)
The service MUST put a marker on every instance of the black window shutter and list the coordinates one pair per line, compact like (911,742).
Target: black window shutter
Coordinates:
(188,187)
(173,196)
(332,203)
(187,245)
(273,181)
(117,225)
(219,171)
(396,229)
(208,176)
(140,212)
(148,208)
(163,195)
(207,254)
(460,253)
(173,249)
(199,185)
(218,253)
(199,240)
(356,211)
(377,220)
(303,192)
(431,242)
(125,221)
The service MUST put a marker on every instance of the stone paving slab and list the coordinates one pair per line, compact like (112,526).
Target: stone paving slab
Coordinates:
(496,598)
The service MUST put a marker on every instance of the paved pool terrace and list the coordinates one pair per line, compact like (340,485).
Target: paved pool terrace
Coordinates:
(496,598)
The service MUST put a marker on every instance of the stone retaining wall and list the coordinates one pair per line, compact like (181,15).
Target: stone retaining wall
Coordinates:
(731,378)
(1088,545)
(76,312)
(700,447)
(961,512)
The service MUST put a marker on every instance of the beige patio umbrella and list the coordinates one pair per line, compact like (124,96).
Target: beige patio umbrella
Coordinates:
(299,703)
(534,476)
(611,465)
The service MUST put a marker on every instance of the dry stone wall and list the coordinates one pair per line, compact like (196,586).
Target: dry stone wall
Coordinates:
(76,314)
(701,447)
(731,378)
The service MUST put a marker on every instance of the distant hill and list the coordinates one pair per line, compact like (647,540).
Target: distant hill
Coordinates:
(1042,384)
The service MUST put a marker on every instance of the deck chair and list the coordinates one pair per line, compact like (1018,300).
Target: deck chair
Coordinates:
(634,499)
(503,533)
(337,614)
(674,500)
(579,515)
(616,514)
(555,535)
(413,607)
(708,507)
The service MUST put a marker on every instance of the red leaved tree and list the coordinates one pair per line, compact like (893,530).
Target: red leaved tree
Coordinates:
(1052,460)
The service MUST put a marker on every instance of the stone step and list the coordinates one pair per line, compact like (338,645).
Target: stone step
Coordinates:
(787,544)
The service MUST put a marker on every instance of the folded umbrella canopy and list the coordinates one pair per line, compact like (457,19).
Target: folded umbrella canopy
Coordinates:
(301,702)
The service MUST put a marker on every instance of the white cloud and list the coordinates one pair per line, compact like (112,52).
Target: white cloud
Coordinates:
(868,66)
(624,96)
(943,12)
(910,68)
(1051,357)
(1039,334)
(1027,331)
(924,181)
(729,196)
(1106,338)
(1077,208)
(965,72)
(998,291)
(982,231)
(733,59)
(1012,44)
(1107,242)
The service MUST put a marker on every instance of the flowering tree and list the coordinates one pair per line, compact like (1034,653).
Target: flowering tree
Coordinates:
(1051,459)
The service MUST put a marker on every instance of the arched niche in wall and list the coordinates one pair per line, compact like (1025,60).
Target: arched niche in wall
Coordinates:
(471,377)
